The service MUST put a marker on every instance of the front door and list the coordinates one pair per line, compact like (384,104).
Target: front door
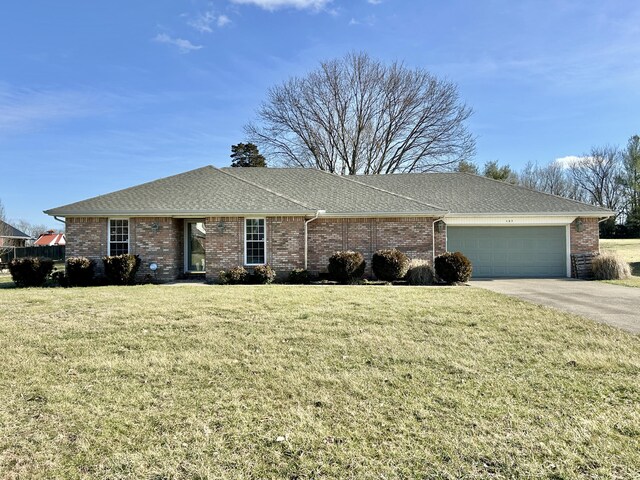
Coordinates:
(194,246)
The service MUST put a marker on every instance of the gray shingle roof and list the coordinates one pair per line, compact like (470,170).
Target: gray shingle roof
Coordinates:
(463,193)
(336,194)
(206,190)
(9,231)
(296,191)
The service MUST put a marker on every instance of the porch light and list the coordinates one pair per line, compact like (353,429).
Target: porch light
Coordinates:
(579,225)
(439,226)
(155,227)
(220,226)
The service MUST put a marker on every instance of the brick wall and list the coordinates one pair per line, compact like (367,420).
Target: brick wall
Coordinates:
(413,236)
(440,242)
(285,243)
(588,240)
(224,244)
(158,240)
(86,237)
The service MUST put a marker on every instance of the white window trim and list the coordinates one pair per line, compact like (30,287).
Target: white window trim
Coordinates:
(109,233)
(245,241)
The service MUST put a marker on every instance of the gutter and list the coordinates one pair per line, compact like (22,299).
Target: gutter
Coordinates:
(306,235)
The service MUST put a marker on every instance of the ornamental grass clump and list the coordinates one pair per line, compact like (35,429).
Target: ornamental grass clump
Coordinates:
(453,268)
(389,265)
(420,273)
(347,266)
(610,266)
(30,271)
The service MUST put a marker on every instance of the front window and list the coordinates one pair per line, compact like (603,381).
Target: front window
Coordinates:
(254,241)
(118,236)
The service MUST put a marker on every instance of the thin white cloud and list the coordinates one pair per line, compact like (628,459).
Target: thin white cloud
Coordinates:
(205,22)
(184,46)
(374,2)
(223,20)
(569,160)
(272,5)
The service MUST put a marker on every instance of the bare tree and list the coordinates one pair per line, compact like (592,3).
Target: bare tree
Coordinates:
(630,180)
(5,243)
(598,174)
(357,115)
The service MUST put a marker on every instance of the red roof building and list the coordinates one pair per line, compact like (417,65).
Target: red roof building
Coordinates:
(51,239)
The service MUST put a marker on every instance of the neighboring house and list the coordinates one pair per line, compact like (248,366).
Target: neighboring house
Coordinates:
(210,219)
(10,236)
(50,239)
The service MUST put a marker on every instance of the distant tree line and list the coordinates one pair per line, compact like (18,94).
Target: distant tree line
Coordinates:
(607,176)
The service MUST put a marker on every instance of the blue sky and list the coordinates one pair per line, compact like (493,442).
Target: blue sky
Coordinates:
(97,96)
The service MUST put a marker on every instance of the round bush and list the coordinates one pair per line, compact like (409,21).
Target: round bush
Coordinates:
(121,269)
(234,276)
(389,265)
(453,267)
(347,266)
(420,273)
(79,271)
(299,276)
(30,271)
(263,274)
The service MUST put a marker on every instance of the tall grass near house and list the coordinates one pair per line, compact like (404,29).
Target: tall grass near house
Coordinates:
(610,266)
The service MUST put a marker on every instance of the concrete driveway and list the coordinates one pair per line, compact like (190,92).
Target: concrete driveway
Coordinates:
(613,304)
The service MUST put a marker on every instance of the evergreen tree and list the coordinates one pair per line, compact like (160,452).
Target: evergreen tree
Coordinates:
(246,155)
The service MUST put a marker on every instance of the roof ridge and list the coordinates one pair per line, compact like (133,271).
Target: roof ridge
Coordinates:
(532,190)
(395,194)
(273,192)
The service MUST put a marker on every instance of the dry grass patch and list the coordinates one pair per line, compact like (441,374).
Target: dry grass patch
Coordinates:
(310,382)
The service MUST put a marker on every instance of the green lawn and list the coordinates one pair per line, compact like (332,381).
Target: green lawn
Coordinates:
(629,250)
(159,382)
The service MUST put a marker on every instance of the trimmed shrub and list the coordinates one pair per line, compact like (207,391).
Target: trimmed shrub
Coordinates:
(609,266)
(347,266)
(299,276)
(453,268)
(263,274)
(420,273)
(233,276)
(79,271)
(121,269)
(30,271)
(389,265)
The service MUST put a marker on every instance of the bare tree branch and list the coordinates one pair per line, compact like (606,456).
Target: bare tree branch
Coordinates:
(357,115)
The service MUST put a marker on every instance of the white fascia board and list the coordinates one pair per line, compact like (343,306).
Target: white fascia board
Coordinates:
(508,220)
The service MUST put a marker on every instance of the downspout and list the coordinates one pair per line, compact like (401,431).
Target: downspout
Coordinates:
(61,221)
(306,235)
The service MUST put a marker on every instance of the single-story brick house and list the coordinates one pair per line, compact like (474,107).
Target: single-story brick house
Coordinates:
(209,219)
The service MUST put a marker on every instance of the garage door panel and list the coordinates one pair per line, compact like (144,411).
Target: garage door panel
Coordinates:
(511,251)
